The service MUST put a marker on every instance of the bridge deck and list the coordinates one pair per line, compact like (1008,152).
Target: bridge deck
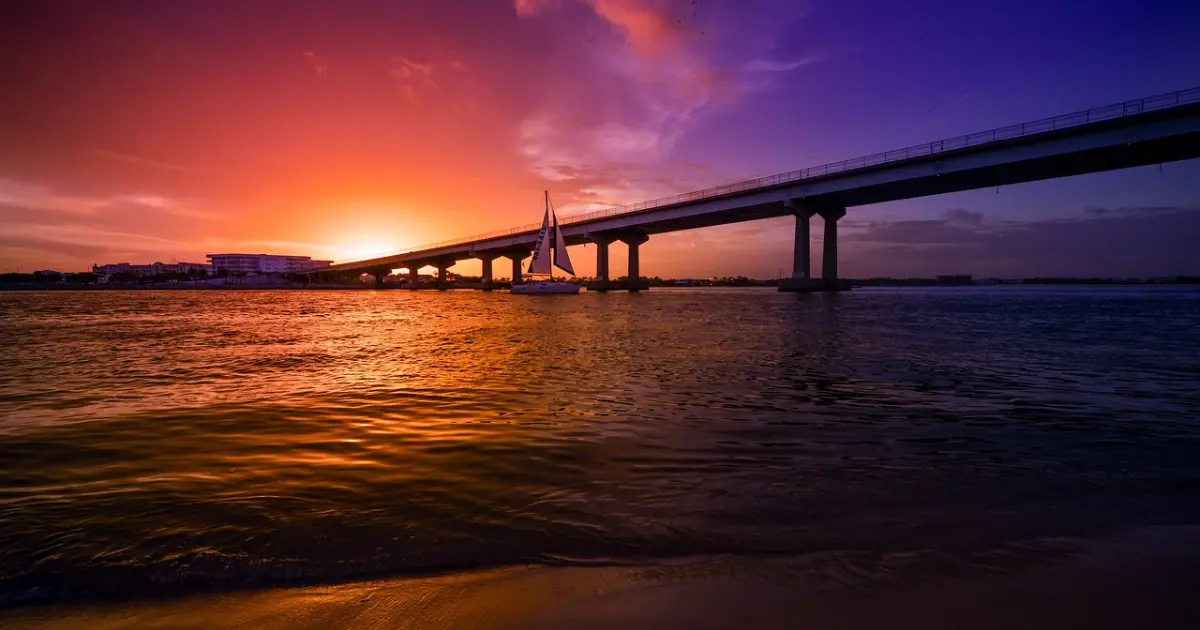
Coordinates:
(1134,133)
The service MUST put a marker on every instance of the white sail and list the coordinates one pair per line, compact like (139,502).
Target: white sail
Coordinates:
(540,263)
(561,259)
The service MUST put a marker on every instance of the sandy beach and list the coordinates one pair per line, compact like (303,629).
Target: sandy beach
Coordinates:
(1145,578)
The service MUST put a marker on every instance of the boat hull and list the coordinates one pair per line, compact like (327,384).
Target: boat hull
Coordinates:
(545,288)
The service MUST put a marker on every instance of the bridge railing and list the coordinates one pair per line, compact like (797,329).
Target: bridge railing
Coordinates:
(1064,121)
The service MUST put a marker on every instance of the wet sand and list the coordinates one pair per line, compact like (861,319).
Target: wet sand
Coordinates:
(1148,578)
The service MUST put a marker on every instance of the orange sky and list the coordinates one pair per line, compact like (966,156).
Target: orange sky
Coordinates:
(141,131)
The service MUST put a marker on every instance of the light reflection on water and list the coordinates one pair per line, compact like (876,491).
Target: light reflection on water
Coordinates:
(191,439)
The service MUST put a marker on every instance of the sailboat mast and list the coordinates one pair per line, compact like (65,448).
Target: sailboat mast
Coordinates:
(551,235)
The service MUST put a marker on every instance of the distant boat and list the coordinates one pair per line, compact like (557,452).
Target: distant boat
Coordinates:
(550,244)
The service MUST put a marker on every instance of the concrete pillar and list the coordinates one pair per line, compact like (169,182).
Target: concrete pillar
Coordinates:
(602,242)
(487,268)
(801,256)
(829,270)
(442,269)
(634,241)
(380,273)
(414,271)
(516,265)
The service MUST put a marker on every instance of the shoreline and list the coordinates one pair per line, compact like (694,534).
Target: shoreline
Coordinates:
(371,287)
(229,287)
(1137,578)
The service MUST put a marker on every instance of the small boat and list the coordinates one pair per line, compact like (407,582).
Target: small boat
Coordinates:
(543,288)
(549,252)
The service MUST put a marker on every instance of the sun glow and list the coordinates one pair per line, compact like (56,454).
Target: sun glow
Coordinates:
(372,229)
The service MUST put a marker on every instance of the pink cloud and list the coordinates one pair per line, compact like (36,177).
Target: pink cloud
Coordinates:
(531,7)
(646,24)
(648,82)
(319,65)
(415,78)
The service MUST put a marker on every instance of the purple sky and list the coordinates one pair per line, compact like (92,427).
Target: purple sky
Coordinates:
(142,130)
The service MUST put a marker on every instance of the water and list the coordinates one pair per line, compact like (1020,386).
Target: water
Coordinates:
(167,442)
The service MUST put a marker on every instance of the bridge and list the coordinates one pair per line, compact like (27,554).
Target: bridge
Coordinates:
(1153,130)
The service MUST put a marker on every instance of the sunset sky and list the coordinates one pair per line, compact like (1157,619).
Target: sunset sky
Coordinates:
(163,130)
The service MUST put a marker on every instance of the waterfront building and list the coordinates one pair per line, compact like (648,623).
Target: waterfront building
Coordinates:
(152,269)
(265,263)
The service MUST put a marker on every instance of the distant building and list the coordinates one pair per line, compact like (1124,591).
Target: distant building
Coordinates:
(265,263)
(152,269)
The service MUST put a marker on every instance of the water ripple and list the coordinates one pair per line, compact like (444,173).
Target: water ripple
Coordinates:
(163,441)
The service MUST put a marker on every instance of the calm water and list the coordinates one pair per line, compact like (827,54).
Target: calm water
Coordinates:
(173,441)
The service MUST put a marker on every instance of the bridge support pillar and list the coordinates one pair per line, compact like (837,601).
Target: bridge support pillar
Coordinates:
(487,278)
(801,279)
(829,257)
(634,275)
(602,242)
(379,274)
(516,258)
(443,269)
(801,254)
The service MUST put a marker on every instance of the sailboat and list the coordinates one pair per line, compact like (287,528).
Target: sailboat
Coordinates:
(549,252)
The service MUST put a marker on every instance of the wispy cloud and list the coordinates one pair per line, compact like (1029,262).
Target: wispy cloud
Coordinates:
(531,7)
(769,65)
(1139,241)
(653,86)
(264,246)
(319,65)
(48,228)
(74,247)
(140,161)
(654,73)
(18,194)
(416,79)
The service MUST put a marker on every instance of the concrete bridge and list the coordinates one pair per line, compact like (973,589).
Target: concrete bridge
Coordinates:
(1141,132)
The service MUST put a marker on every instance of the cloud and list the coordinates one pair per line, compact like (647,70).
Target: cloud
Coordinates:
(958,216)
(1098,211)
(768,65)
(75,246)
(139,161)
(28,252)
(1144,241)
(957,226)
(318,65)
(646,90)
(411,77)
(16,195)
(43,227)
(266,246)
(1136,242)
(404,69)
(654,73)
(416,80)
(532,7)
(647,27)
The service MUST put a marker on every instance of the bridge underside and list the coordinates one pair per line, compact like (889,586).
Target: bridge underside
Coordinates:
(1146,153)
